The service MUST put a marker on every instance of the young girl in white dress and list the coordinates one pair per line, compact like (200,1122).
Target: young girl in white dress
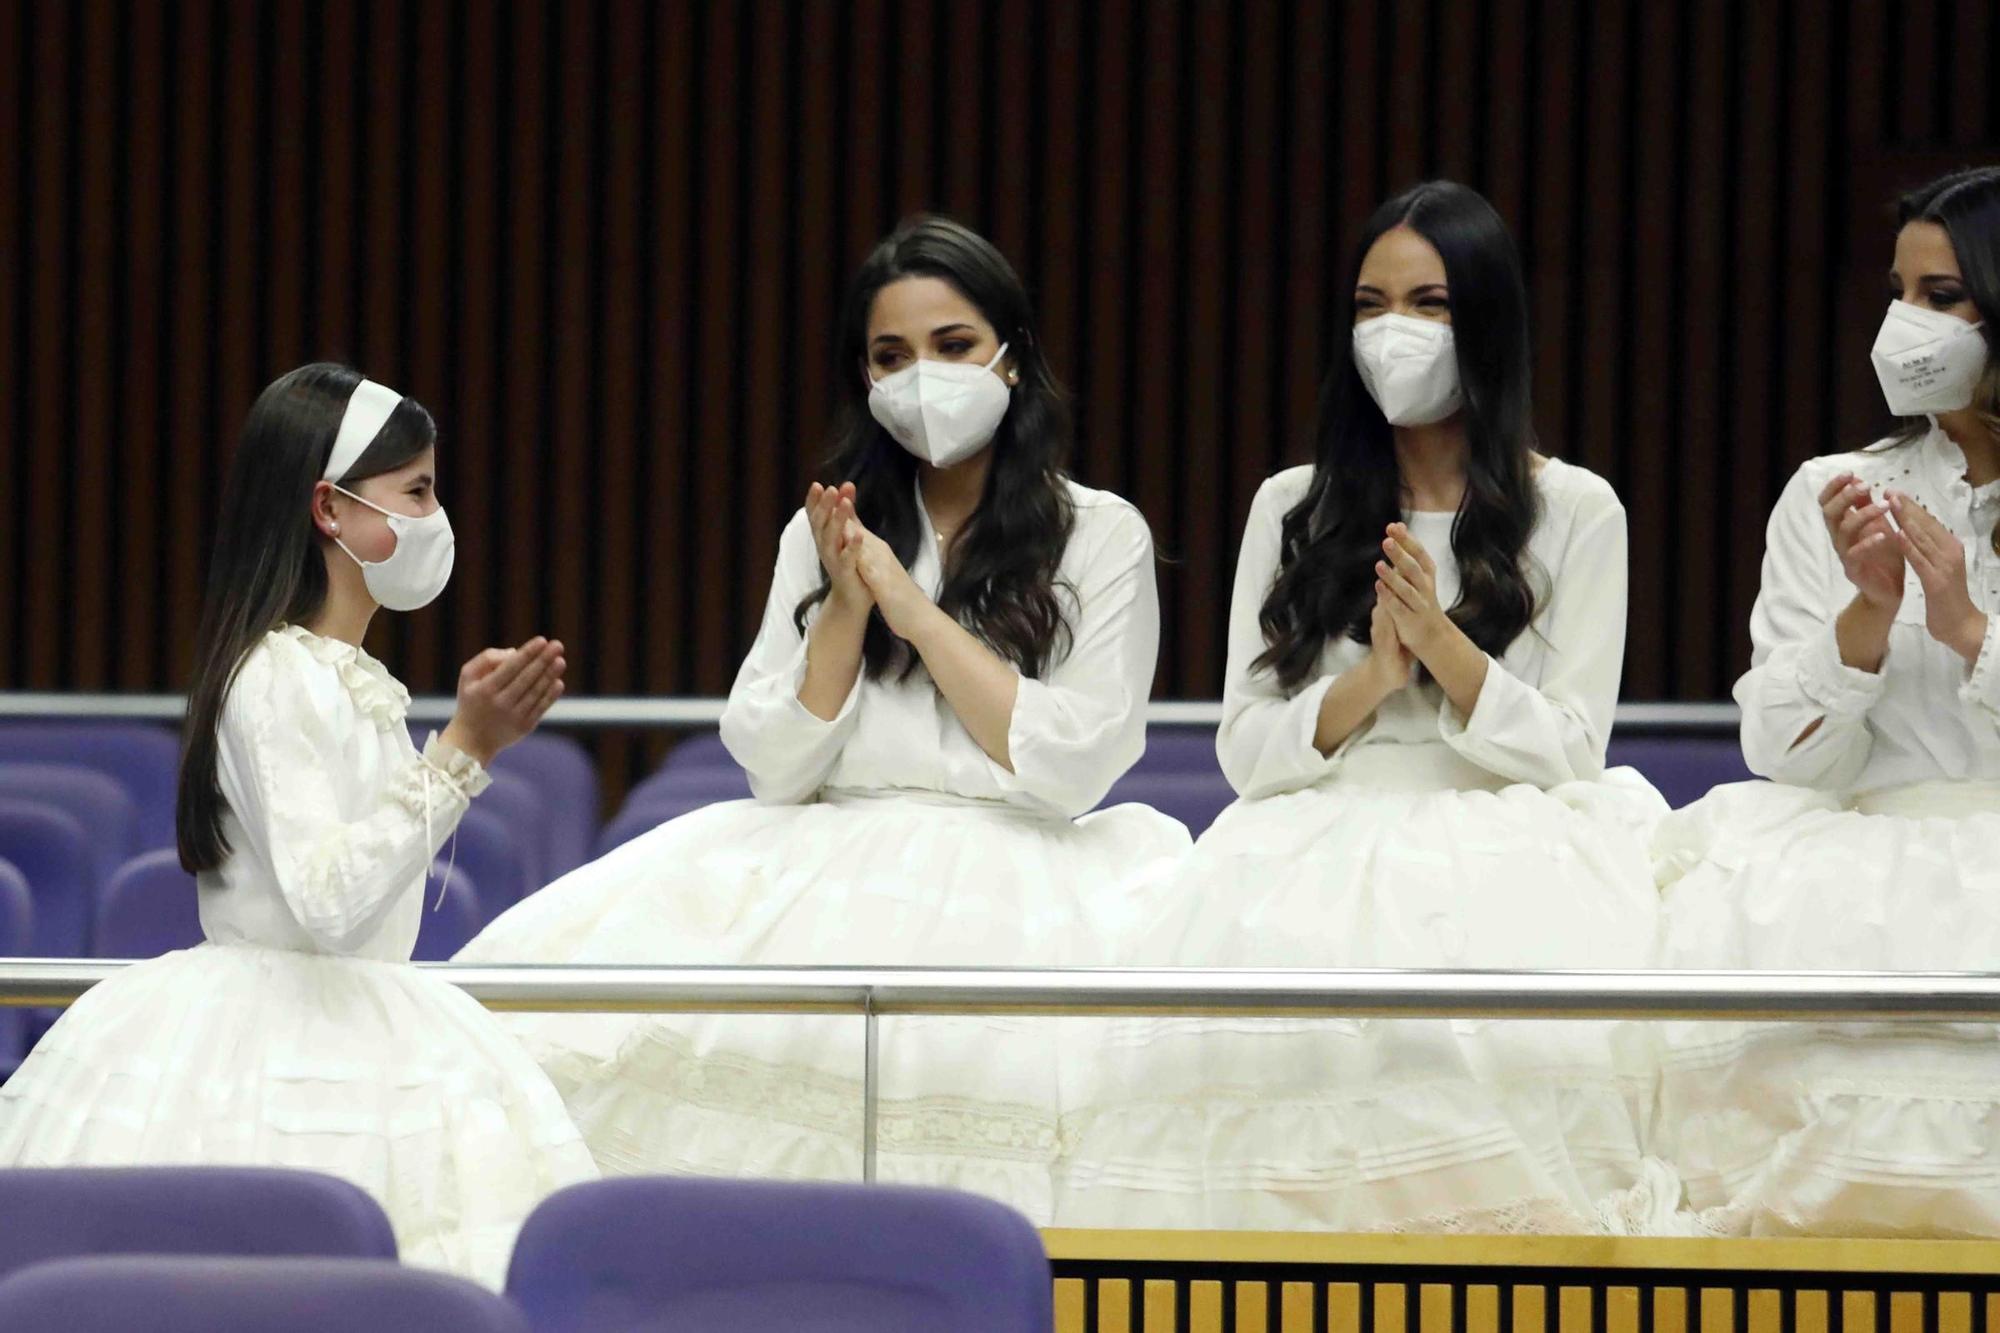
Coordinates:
(1874,698)
(299,1035)
(953,669)
(1424,652)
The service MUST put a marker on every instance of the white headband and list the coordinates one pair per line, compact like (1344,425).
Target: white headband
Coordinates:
(367,410)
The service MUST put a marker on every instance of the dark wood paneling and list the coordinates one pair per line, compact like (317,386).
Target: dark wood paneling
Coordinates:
(605,239)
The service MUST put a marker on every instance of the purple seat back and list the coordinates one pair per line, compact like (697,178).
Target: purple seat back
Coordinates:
(1179,750)
(100,804)
(493,856)
(205,1295)
(711,784)
(1684,768)
(52,852)
(643,814)
(515,800)
(455,921)
(185,1210)
(144,758)
(561,772)
(1193,798)
(729,1255)
(148,908)
(17,928)
(703,749)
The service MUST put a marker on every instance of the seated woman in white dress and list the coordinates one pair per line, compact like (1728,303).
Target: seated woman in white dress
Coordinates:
(1424,653)
(1874,697)
(953,669)
(299,1035)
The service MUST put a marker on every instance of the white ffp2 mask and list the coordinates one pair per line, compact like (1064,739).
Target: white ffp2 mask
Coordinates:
(1410,368)
(944,412)
(1927,361)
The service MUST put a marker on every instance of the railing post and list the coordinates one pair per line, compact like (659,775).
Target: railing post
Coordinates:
(871,1074)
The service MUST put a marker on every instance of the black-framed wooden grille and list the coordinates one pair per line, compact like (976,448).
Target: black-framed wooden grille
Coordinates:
(1262,1283)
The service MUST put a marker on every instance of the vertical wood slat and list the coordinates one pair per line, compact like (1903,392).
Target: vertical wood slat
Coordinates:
(604,242)
(427,245)
(572,448)
(142,320)
(51,231)
(192,416)
(93,326)
(471,437)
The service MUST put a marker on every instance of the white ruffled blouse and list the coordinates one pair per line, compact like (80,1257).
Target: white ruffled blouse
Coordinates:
(1544,714)
(332,816)
(1925,715)
(1074,731)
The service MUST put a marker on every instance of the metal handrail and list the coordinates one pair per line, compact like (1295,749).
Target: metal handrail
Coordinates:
(610,710)
(876,993)
(1272,992)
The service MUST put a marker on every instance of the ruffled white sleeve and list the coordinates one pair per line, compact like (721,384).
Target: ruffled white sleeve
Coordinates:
(786,750)
(1266,740)
(1077,730)
(1796,677)
(343,855)
(1554,730)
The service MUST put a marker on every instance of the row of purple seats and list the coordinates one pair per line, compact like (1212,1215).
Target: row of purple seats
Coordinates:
(142,758)
(1178,775)
(149,908)
(117,1295)
(615,1256)
(146,906)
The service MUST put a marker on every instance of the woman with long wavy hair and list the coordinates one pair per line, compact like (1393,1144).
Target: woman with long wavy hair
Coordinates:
(1424,651)
(952,670)
(1873,706)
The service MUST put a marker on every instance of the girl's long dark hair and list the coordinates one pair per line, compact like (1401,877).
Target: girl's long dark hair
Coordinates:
(1001,581)
(267,570)
(1331,540)
(1967,205)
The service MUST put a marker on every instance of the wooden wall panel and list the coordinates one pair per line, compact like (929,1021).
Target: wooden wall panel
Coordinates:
(605,241)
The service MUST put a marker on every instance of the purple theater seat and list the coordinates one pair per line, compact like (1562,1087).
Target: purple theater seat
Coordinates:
(451,926)
(702,750)
(729,1256)
(1193,798)
(562,772)
(101,804)
(144,758)
(17,928)
(185,1210)
(1682,767)
(148,908)
(712,784)
(1179,750)
(646,812)
(51,849)
(203,1295)
(515,800)
(487,847)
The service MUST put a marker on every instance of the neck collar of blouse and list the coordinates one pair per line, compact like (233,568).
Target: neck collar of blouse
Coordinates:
(378,695)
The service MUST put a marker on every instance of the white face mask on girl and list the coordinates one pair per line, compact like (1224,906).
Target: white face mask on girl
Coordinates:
(1410,367)
(1928,361)
(944,412)
(420,566)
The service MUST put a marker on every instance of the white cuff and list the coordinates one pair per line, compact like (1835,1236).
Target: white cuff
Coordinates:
(461,770)
(1841,690)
